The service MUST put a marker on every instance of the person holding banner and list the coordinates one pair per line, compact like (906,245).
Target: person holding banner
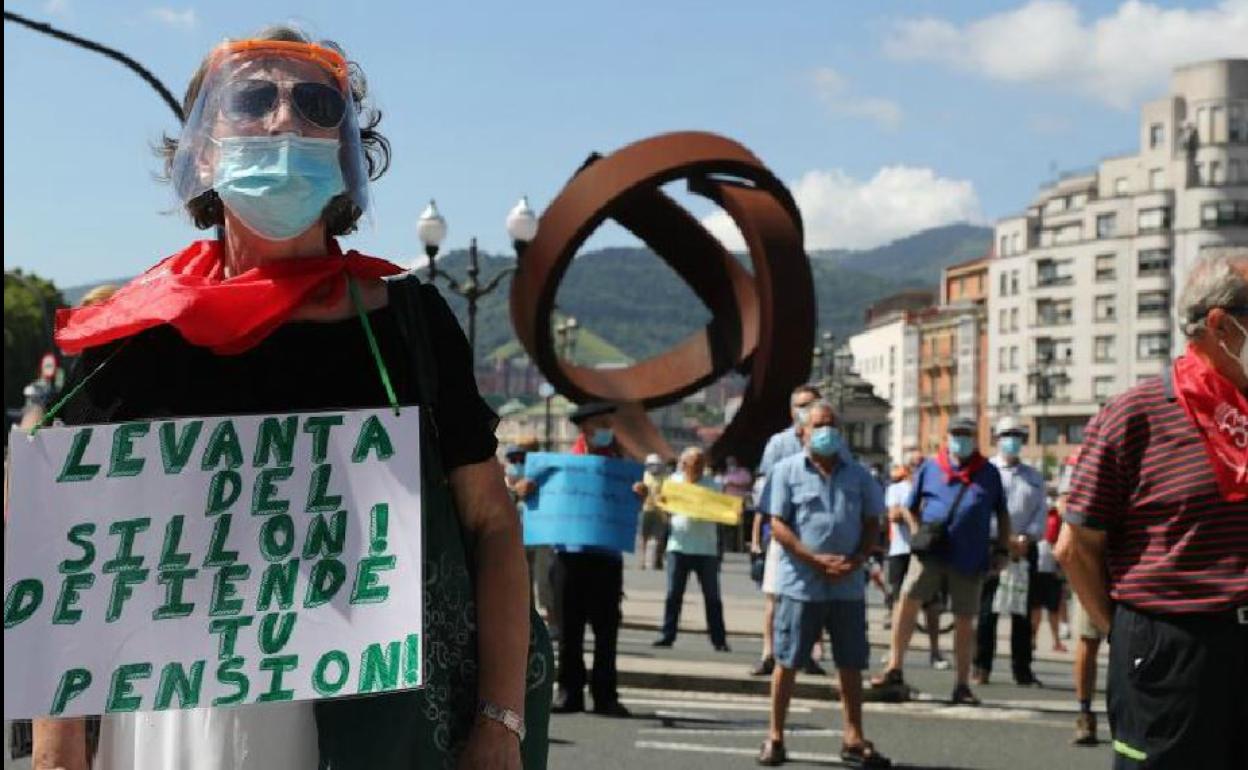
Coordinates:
(826,514)
(272,317)
(590,583)
(693,546)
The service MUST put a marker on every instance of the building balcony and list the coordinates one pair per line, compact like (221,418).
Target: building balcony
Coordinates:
(1051,321)
(1051,281)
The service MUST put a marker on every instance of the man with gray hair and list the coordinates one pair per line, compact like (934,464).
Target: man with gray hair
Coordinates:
(1157,542)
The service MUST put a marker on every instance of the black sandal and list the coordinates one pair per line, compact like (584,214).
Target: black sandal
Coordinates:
(962,696)
(864,755)
(773,754)
(890,678)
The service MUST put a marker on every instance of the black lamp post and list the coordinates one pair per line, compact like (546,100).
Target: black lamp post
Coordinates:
(1045,378)
(431,228)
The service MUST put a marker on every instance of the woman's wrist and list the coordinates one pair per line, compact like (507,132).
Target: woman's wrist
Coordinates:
(495,716)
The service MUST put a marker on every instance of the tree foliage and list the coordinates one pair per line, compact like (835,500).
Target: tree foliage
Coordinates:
(28,301)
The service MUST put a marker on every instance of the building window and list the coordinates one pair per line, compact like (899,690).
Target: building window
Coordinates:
(1005,284)
(1224,213)
(1014,319)
(1053,272)
(1153,303)
(1015,242)
(1049,432)
(1106,224)
(1074,433)
(1055,351)
(1154,262)
(1154,219)
(1198,170)
(1215,173)
(1102,388)
(1104,349)
(1003,359)
(1120,186)
(1013,282)
(1104,307)
(1004,324)
(1153,345)
(1157,179)
(1156,135)
(1233,174)
(1217,124)
(1203,130)
(1014,358)
(1106,269)
(1055,206)
(1005,241)
(1237,127)
(1079,200)
(1053,312)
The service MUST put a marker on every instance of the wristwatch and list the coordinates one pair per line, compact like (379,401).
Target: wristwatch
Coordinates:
(504,716)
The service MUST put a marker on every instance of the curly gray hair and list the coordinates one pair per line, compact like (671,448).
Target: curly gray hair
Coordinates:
(1213,282)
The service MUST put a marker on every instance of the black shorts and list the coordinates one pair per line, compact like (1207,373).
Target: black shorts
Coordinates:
(1176,690)
(1045,591)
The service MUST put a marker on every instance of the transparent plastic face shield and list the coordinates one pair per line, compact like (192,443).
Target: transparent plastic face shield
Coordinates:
(256,88)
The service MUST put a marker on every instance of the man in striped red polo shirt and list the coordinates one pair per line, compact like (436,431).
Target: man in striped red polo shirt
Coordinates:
(1157,549)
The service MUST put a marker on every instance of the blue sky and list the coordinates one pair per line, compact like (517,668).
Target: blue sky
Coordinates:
(885,117)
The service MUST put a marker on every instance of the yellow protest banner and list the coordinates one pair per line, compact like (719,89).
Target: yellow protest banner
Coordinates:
(696,502)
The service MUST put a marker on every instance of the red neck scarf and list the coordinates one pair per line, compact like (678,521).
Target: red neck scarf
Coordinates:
(963,472)
(190,292)
(1220,412)
(582,447)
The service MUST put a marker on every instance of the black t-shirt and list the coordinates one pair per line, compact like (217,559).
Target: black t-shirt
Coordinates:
(302,366)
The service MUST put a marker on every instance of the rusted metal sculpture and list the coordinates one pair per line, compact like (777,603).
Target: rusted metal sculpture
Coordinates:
(761,324)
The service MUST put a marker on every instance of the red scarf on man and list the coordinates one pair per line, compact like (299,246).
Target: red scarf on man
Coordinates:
(190,292)
(963,472)
(1220,412)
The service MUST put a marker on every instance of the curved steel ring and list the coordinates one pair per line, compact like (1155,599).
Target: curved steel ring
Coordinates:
(761,323)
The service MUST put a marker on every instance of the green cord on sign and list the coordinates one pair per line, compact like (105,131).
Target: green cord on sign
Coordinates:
(51,413)
(372,343)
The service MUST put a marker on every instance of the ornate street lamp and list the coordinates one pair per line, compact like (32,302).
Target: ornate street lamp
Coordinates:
(431,228)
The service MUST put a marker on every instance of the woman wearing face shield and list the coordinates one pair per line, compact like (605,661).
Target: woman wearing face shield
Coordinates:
(273,317)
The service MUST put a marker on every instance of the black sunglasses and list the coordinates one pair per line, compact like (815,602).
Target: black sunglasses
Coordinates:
(248,100)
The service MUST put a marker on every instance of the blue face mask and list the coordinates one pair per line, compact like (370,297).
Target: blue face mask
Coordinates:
(1011,446)
(278,185)
(602,438)
(825,441)
(961,447)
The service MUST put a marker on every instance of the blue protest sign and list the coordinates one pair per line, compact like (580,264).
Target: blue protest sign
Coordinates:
(581,500)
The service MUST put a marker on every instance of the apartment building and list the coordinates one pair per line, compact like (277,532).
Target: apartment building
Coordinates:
(1082,285)
(952,356)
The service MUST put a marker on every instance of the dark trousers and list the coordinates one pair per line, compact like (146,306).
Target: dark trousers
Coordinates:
(679,565)
(1020,627)
(1176,690)
(591,584)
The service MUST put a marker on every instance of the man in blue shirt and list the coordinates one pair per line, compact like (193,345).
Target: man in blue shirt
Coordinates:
(826,516)
(960,489)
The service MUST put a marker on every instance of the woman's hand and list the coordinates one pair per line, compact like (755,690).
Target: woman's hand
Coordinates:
(640,490)
(491,746)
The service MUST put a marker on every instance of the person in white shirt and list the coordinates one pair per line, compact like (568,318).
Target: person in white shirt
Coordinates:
(693,546)
(898,559)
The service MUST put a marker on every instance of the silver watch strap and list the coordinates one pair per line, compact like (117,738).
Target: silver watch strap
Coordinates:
(504,716)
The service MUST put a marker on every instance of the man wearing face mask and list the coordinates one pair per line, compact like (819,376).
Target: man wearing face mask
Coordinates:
(959,493)
(786,443)
(1025,499)
(826,514)
(590,582)
(1156,545)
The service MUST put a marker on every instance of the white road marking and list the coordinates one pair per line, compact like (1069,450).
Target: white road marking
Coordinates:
(732,730)
(700,748)
(705,704)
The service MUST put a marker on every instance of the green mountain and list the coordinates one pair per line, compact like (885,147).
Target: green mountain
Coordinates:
(629,303)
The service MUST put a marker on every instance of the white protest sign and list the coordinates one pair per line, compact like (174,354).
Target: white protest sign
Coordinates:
(212,562)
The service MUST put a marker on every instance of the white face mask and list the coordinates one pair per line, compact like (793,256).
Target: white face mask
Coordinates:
(1243,347)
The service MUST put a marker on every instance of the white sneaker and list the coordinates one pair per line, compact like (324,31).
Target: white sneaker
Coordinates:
(940,663)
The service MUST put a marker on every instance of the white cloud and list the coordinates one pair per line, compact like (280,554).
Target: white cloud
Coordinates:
(57,8)
(840,212)
(184,19)
(833,89)
(1116,58)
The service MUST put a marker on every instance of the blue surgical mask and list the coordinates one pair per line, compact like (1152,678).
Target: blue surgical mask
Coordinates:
(961,447)
(602,438)
(1011,446)
(825,441)
(278,185)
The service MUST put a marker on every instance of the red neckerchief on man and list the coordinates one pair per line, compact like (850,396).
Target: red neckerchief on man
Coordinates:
(582,447)
(1220,412)
(190,292)
(965,471)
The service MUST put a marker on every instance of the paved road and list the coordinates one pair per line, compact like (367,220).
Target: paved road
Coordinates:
(694,730)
